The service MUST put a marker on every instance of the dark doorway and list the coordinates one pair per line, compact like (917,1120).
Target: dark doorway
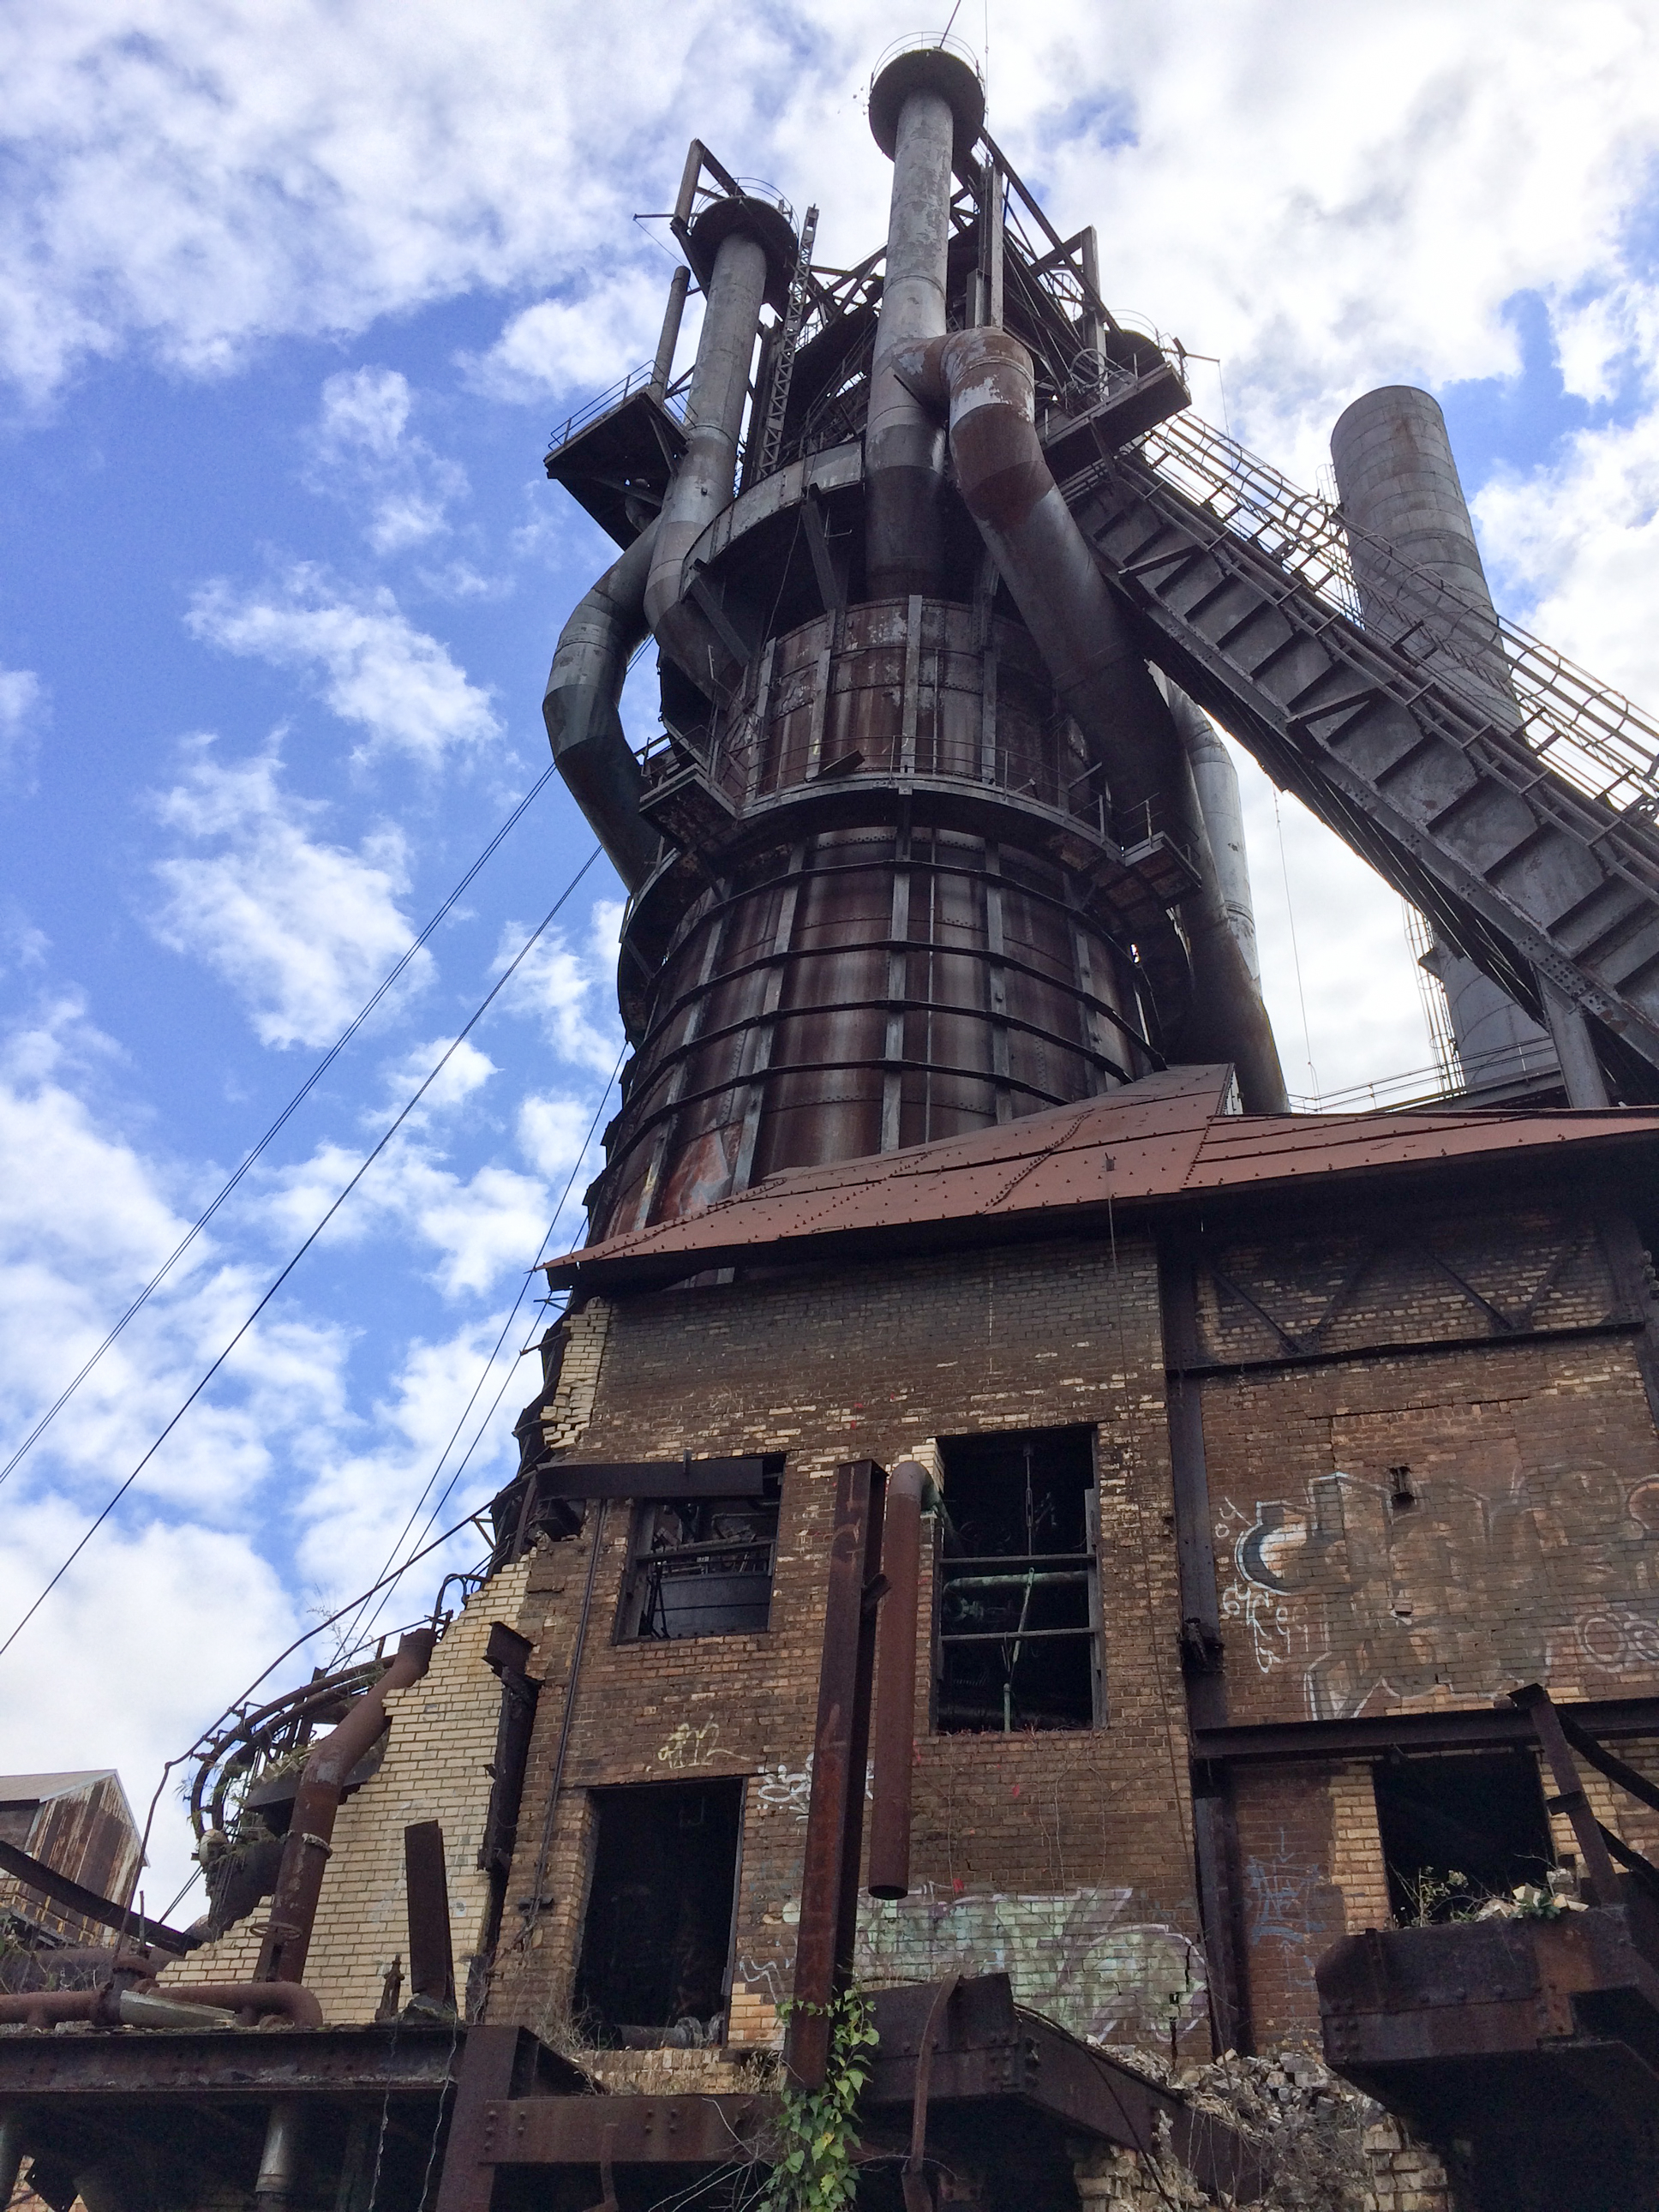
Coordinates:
(1019,1626)
(1481,1817)
(657,1934)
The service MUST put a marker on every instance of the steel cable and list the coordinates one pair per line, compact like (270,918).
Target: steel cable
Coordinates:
(403,1114)
(360,1631)
(279,1124)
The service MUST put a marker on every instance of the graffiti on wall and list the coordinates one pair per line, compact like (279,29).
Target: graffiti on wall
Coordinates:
(1365,1598)
(1290,1906)
(1077,1957)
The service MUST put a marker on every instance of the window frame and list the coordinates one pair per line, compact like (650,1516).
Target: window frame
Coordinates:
(1058,1563)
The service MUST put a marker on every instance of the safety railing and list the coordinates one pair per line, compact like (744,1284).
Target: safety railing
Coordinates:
(1580,729)
(637,379)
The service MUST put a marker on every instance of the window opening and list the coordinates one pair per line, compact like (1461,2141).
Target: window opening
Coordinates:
(700,1566)
(1479,1816)
(657,1938)
(1018,1615)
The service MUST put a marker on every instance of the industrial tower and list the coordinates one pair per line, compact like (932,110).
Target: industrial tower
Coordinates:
(1016,1520)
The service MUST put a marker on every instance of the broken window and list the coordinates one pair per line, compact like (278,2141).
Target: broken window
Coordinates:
(700,1566)
(655,1961)
(1479,1817)
(1017,1610)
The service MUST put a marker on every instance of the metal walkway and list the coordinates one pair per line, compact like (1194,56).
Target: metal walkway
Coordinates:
(1504,794)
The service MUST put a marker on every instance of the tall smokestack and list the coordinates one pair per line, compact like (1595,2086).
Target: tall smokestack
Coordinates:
(924,106)
(1398,480)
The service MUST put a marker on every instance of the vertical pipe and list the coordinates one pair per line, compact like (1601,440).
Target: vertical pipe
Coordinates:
(904,445)
(662,369)
(11,2150)
(1398,480)
(279,2160)
(719,383)
(896,1684)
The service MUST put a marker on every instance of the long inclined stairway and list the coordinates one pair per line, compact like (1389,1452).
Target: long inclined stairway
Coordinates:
(1503,793)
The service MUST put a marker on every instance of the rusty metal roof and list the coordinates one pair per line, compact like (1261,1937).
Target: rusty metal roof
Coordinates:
(1162,1139)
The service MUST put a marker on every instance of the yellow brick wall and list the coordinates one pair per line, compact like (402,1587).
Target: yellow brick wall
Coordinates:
(1357,1866)
(442,1739)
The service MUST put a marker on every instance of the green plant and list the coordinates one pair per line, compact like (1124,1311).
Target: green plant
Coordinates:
(818,2129)
(1433,1899)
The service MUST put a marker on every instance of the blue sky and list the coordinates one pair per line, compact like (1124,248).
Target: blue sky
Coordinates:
(289,303)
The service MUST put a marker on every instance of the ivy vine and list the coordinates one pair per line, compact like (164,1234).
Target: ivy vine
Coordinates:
(818,2128)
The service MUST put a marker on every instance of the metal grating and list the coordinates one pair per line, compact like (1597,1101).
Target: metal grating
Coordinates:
(1582,730)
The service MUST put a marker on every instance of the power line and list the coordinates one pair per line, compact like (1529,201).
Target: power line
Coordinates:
(449,1053)
(360,1630)
(280,1123)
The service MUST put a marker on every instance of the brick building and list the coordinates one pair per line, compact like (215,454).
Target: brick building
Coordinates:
(1363,1406)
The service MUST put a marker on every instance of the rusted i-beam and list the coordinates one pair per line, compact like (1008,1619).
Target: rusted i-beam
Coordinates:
(835,1815)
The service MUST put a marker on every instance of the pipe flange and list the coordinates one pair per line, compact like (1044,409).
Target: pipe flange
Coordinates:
(930,68)
(752,217)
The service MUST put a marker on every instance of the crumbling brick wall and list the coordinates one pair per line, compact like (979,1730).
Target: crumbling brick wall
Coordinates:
(849,1363)
(441,1738)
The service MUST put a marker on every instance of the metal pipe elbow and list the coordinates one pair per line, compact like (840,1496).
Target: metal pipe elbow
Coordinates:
(288,2000)
(580,710)
(983,380)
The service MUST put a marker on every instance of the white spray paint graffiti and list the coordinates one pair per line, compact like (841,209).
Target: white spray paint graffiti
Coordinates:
(692,1746)
(1364,1598)
(785,1789)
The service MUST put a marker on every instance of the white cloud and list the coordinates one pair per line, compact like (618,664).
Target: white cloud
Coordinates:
(301,930)
(578,345)
(375,668)
(200,179)
(85,1217)
(23,701)
(145,1639)
(570,990)
(1573,549)
(364,453)
(478,1226)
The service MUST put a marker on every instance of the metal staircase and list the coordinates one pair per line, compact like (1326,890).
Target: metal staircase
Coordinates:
(1501,791)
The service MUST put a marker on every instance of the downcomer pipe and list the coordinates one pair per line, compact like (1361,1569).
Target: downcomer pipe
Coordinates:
(581,711)
(1217,783)
(306,1848)
(984,377)
(702,484)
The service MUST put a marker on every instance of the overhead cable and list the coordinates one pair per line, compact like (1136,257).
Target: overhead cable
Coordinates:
(357,1632)
(280,1123)
(450,1050)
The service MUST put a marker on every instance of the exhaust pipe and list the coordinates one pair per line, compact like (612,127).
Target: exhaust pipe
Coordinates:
(703,481)
(983,378)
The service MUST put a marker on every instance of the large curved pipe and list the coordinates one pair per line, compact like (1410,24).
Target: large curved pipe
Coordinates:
(703,481)
(904,446)
(983,378)
(581,708)
(306,1848)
